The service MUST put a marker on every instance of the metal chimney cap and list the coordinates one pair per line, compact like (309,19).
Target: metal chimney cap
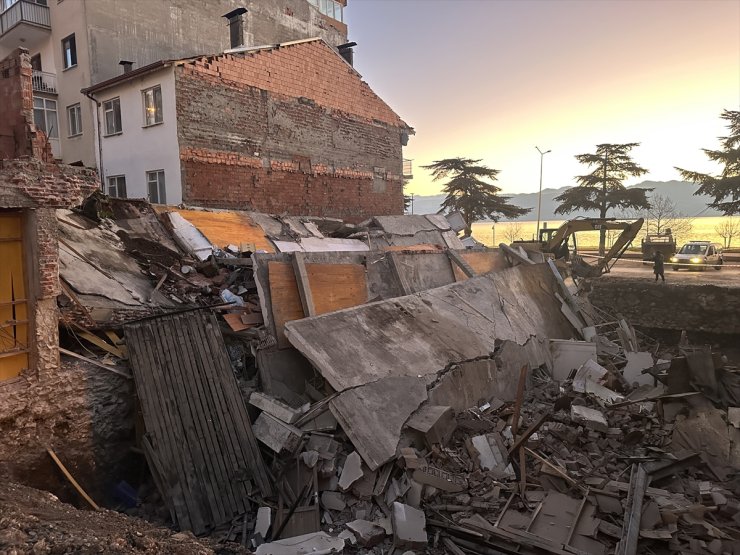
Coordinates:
(235,13)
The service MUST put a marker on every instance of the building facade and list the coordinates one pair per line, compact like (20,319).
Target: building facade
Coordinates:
(290,128)
(75,44)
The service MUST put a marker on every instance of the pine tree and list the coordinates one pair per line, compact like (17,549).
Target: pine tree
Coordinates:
(602,189)
(468,192)
(725,187)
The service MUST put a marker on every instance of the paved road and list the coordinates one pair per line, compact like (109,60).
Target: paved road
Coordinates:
(634,269)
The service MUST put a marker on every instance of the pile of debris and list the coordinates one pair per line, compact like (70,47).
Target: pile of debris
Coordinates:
(413,399)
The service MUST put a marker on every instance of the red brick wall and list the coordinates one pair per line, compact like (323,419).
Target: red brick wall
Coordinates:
(292,130)
(17,132)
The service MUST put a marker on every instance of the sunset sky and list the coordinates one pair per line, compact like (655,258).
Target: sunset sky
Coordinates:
(492,79)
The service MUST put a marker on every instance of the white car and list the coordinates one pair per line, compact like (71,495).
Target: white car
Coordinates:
(699,255)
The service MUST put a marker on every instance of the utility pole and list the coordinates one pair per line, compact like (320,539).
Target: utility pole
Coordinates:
(539,196)
(412,203)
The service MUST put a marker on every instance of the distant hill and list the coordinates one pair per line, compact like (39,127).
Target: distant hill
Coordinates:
(681,192)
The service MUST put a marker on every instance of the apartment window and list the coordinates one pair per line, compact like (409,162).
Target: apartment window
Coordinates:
(152,105)
(69,51)
(117,186)
(330,8)
(45,116)
(155,186)
(112,116)
(74,120)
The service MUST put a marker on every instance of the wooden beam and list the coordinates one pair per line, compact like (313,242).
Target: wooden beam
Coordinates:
(399,275)
(113,369)
(457,260)
(639,481)
(98,342)
(304,287)
(71,479)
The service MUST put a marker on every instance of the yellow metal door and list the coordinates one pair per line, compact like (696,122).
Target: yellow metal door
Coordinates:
(13,302)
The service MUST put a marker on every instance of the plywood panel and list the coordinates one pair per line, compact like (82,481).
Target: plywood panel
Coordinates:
(285,299)
(337,286)
(482,262)
(333,286)
(13,304)
(228,228)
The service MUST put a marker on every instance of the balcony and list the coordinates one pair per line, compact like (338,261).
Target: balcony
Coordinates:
(44,82)
(24,23)
(408,172)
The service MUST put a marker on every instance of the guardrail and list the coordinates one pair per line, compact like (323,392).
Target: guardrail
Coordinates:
(44,82)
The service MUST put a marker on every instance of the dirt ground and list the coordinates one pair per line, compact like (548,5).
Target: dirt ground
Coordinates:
(36,522)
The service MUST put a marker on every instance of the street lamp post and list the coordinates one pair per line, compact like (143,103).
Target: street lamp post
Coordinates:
(539,196)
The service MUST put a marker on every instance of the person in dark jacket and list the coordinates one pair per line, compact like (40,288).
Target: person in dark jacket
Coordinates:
(658,266)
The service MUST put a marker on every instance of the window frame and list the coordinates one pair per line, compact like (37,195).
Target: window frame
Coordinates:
(111,101)
(158,110)
(160,184)
(73,109)
(46,110)
(72,41)
(117,186)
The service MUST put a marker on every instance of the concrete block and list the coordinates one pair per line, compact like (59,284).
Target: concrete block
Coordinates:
(491,454)
(636,363)
(591,418)
(440,479)
(367,533)
(316,543)
(413,495)
(276,408)
(276,434)
(333,500)
(434,422)
(264,521)
(733,416)
(409,527)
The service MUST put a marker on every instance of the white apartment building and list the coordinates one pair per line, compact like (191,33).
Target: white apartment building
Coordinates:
(78,43)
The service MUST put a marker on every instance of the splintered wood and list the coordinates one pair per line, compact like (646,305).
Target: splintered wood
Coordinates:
(202,449)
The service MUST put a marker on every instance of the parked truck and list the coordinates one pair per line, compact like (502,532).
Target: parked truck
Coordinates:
(662,242)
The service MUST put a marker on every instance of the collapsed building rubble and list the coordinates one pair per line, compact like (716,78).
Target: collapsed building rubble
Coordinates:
(394,397)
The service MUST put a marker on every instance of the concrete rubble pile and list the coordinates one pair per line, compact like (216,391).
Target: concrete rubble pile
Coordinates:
(489,413)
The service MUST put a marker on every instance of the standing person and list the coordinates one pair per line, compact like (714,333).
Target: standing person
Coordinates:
(658,266)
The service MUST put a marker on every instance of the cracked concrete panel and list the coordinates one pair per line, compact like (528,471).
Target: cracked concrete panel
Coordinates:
(372,415)
(422,334)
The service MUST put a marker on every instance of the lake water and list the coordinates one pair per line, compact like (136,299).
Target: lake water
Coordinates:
(702,229)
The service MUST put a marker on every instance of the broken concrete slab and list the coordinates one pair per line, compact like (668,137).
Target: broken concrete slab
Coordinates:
(435,423)
(373,416)
(367,533)
(275,407)
(591,418)
(277,435)
(568,356)
(264,521)
(421,334)
(638,361)
(440,479)
(333,500)
(409,527)
(316,543)
(491,454)
(733,416)
(351,472)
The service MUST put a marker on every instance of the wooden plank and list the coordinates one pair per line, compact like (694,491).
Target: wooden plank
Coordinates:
(398,273)
(159,421)
(228,228)
(285,298)
(177,356)
(483,262)
(98,342)
(114,369)
(215,412)
(457,260)
(639,481)
(71,479)
(304,286)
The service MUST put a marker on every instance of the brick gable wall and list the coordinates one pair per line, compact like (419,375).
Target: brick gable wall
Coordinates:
(292,130)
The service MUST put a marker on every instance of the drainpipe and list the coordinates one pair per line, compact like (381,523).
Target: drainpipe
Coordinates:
(100,141)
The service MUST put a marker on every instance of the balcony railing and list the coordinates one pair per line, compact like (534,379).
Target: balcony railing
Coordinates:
(25,11)
(44,82)
(408,172)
